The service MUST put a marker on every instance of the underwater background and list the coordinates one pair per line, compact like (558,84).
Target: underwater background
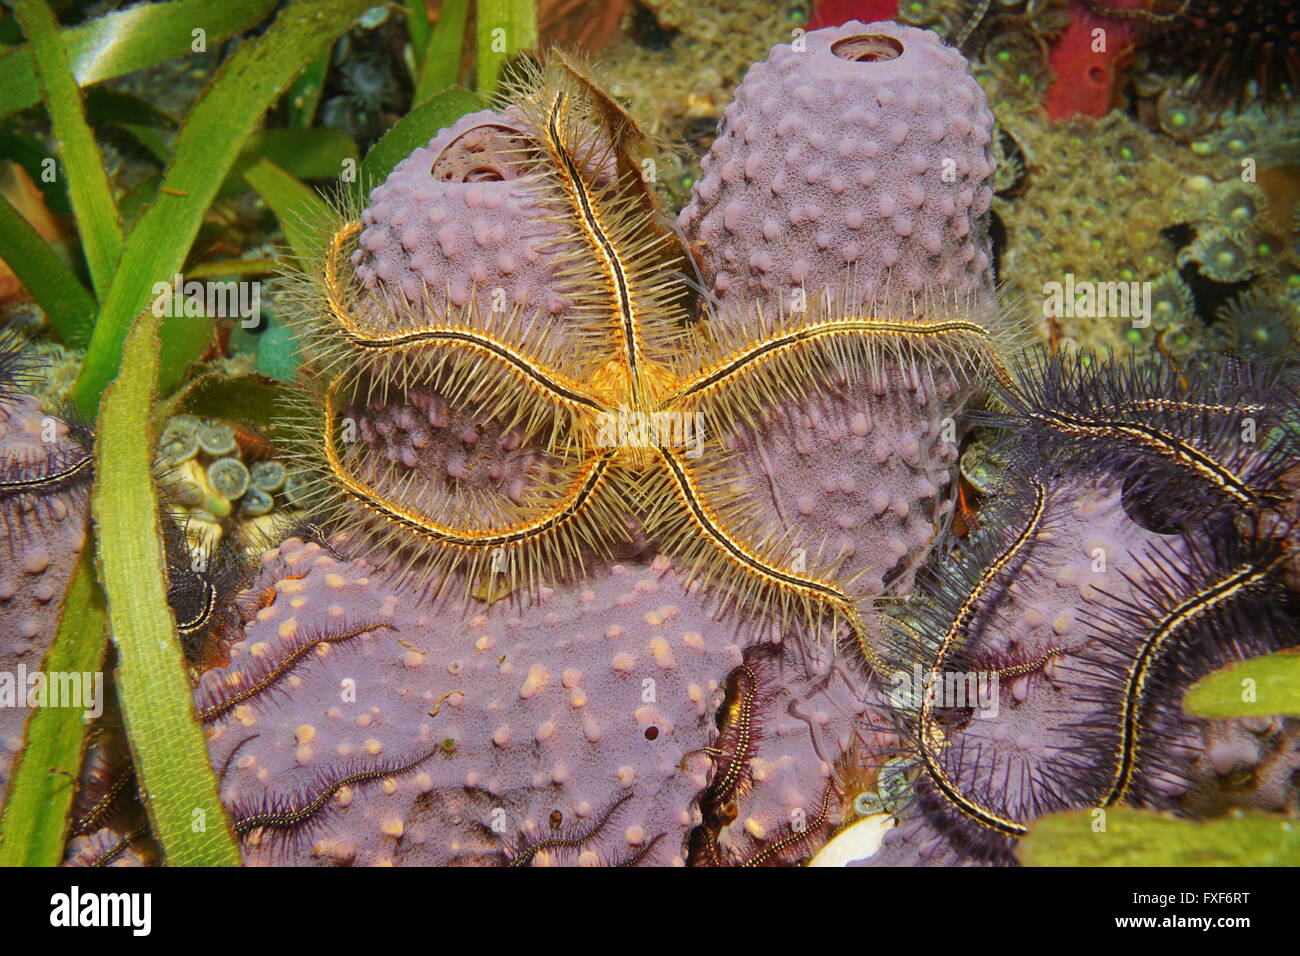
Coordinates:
(649,433)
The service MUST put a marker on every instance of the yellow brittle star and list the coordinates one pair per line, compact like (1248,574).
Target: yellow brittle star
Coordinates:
(618,413)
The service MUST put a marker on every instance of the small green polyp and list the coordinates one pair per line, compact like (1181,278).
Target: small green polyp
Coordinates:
(179,440)
(256,502)
(296,487)
(189,494)
(229,477)
(867,804)
(268,475)
(217,439)
(177,449)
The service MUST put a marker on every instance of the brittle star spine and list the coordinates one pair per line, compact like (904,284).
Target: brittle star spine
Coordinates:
(96,813)
(961,620)
(739,757)
(203,614)
(532,373)
(1170,403)
(794,838)
(1029,667)
(116,849)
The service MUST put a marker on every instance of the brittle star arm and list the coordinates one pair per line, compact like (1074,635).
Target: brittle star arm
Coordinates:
(560,388)
(804,585)
(587,209)
(1171,447)
(583,488)
(928,723)
(752,357)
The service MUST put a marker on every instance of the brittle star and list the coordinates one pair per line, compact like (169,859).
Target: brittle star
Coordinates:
(650,368)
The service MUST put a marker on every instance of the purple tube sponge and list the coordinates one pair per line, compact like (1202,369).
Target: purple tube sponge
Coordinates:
(858,161)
